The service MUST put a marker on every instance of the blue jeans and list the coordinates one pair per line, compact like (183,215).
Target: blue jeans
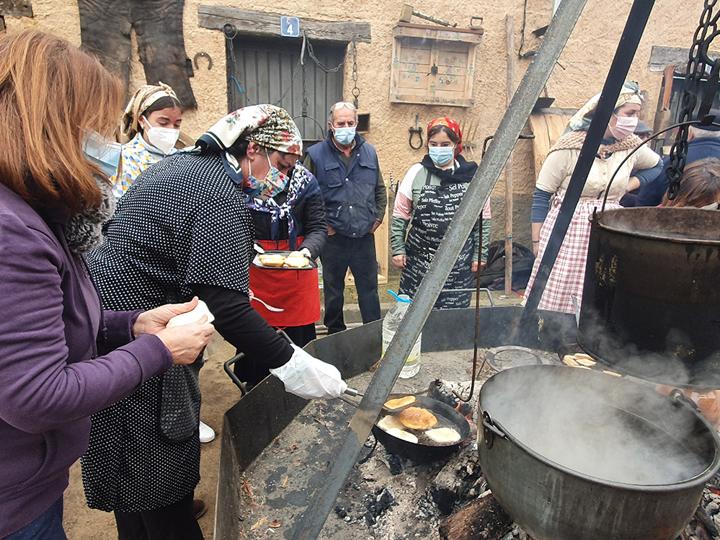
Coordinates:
(47,526)
(358,254)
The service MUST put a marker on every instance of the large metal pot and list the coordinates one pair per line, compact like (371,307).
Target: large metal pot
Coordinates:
(651,298)
(574,454)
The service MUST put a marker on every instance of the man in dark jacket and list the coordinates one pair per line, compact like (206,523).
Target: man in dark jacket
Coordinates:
(347,169)
(702,143)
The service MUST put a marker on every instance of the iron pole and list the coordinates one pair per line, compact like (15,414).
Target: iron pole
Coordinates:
(311,522)
(629,41)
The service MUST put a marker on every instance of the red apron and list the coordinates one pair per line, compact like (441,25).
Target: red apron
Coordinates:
(294,291)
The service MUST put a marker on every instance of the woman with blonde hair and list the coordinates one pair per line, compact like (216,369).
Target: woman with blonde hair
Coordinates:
(149,131)
(61,357)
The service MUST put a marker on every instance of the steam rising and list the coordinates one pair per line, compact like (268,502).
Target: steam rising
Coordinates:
(600,426)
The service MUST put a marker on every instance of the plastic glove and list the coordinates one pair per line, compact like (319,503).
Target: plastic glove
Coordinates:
(306,252)
(310,378)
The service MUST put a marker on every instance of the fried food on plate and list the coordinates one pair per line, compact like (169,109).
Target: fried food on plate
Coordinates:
(296,262)
(569,360)
(417,418)
(399,402)
(584,359)
(402,434)
(272,259)
(443,435)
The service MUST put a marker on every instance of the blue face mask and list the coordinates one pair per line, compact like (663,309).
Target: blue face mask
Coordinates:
(103,153)
(441,155)
(344,135)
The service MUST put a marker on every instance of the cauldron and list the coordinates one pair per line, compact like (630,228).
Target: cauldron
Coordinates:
(651,296)
(574,454)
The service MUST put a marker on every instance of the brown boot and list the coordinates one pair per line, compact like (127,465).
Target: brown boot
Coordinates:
(199,508)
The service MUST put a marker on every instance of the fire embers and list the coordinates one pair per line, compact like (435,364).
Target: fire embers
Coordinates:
(705,524)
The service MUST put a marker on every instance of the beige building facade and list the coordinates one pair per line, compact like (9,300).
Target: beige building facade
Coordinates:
(579,74)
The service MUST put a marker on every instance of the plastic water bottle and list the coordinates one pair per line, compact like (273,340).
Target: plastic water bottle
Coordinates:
(391,322)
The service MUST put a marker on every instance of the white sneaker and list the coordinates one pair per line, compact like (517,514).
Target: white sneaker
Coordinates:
(207,433)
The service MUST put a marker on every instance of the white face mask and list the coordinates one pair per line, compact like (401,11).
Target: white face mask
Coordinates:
(624,126)
(163,139)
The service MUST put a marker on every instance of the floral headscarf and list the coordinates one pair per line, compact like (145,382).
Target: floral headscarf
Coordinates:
(630,93)
(141,101)
(267,125)
(452,125)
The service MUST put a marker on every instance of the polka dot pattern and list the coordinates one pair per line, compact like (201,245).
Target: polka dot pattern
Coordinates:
(182,223)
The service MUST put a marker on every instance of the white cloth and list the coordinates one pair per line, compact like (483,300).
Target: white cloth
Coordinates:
(310,378)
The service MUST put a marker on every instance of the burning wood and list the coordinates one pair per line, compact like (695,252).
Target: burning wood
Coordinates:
(482,519)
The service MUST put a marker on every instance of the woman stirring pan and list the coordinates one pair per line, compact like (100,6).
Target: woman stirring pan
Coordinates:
(184,229)
(62,358)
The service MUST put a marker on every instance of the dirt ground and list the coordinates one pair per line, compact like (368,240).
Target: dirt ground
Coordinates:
(219,394)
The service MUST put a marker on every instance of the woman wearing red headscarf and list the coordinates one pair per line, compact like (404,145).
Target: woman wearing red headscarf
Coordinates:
(427,199)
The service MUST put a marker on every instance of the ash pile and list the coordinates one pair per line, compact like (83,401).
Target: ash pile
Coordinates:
(705,524)
(390,497)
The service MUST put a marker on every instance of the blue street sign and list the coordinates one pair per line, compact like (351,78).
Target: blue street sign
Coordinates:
(289,26)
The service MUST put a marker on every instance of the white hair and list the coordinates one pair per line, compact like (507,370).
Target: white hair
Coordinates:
(698,132)
(342,105)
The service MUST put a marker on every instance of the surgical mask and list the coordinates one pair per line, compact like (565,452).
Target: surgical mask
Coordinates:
(624,126)
(102,152)
(273,183)
(163,139)
(344,135)
(441,155)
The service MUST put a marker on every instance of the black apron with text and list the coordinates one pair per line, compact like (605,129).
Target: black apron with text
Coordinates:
(430,221)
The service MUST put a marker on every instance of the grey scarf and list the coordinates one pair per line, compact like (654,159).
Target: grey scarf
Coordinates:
(84,230)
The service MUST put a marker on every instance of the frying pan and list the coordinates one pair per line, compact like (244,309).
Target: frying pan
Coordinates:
(423,452)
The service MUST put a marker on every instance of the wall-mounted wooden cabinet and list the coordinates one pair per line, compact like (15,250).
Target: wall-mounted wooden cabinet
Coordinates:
(433,66)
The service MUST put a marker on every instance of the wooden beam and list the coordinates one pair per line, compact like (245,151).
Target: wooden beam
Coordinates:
(662,57)
(440,33)
(261,23)
(16,8)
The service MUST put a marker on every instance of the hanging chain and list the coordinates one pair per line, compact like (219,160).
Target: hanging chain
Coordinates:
(354,76)
(698,63)
(323,67)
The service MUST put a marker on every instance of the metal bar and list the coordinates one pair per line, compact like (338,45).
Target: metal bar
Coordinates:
(510,36)
(632,33)
(311,522)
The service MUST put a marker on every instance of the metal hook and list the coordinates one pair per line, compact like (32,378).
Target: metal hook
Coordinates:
(417,130)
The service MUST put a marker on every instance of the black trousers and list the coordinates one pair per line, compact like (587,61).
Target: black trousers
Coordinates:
(357,254)
(174,522)
(251,370)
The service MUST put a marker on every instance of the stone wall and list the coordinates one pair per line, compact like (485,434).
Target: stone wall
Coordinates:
(582,70)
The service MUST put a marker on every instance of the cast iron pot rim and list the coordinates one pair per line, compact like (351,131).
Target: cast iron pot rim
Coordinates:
(685,484)
(597,217)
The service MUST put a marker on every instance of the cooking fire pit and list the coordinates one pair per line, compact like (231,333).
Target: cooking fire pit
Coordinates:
(290,445)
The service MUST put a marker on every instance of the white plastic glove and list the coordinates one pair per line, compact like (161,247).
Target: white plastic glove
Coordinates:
(310,378)
(306,252)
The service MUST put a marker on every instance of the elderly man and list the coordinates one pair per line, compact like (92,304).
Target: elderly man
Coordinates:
(347,169)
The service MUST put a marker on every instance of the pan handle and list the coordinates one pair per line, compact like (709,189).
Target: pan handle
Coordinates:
(227,366)
(490,430)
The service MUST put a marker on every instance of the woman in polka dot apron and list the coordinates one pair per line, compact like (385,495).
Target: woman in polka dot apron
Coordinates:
(183,229)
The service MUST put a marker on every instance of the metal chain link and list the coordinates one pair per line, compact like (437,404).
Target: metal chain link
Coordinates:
(697,66)
(354,76)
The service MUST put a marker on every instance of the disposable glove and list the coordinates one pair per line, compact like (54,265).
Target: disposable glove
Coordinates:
(310,378)
(306,252)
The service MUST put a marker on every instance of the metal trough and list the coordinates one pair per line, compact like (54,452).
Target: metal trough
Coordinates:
(261,415)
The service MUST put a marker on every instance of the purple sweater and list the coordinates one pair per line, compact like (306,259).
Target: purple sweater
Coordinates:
(52,377)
